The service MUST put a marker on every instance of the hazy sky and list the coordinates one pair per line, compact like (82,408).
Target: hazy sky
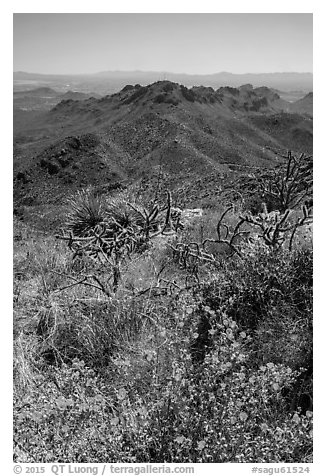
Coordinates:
(184,43)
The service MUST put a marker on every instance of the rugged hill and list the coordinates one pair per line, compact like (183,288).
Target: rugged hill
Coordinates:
(78,96)
(304,105)
(187,134)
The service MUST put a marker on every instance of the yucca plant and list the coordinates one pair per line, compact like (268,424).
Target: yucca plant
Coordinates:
(85,211)
(119,213)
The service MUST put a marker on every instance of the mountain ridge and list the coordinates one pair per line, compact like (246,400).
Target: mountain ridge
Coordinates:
(197,135)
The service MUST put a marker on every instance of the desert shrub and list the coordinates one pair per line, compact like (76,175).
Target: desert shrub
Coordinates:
(172,100)
(160,98)
(140,92)
(24,177)
(222,412)
(258,103)
(168,87)
(264,282)
(164,98)
(228,415)
(254,202)
(188,94)
(52,417)
(50,166)
(270,294)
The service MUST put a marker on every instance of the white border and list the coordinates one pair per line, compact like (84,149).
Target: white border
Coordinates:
(168,6)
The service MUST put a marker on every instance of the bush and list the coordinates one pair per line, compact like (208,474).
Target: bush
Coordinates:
(188,94)
(221,412)
(265,281)
(160,98)
(168,87)
(139,93)
(164,98)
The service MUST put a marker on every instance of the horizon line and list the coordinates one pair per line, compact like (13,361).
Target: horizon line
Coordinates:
(161,72)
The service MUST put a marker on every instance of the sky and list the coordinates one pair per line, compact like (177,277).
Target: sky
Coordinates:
(77,43)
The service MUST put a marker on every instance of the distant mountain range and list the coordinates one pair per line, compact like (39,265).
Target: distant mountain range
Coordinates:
(106,82)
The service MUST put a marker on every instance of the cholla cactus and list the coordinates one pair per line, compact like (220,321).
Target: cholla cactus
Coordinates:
(190,255)
(276,227)
(109,232)
(288,185)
